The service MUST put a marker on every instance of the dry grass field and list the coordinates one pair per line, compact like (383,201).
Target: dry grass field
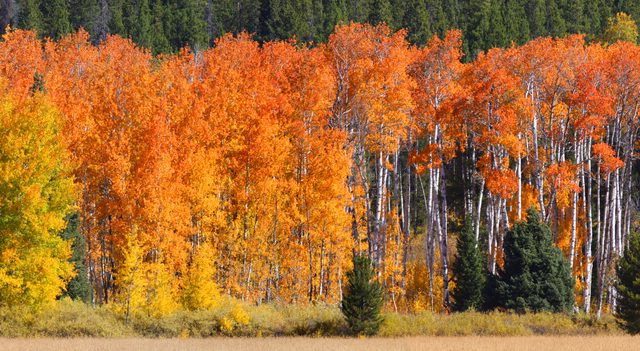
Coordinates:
(533,343)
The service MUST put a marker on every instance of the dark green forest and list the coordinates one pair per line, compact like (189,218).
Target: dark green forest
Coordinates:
(168,25)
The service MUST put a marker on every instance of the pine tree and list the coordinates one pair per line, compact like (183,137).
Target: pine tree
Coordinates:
(79,288)
(116,18)
(515,22)
(555,24)
(628,307)
(536,276)
(416,21)
(381,12)
(31,16)
(363,300)
(56,18)
(191,27)
(468,272)
(536,14)
(335,12)
(83,14)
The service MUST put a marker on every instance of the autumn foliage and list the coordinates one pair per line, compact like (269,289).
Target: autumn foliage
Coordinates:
(259,170)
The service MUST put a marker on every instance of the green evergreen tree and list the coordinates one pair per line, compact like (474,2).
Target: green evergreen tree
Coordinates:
(416,21)
(56,18)
(536,14)
(573,12)
(83,14)
(31,16)
(162,29)
(439,20)
(468,273)
(381,12)
(359,11)
(191,27)
(536,276)
(628,287)
(363,299)
(555,24)
(515,22)
(79,287)
(141,19)
(117,18)
(335,12)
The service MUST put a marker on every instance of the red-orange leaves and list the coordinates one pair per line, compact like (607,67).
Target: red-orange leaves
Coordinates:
(607,157)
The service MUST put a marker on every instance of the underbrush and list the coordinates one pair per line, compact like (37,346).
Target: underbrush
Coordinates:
(232,318)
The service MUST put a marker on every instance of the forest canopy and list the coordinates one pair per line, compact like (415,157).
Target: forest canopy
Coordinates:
(169,25)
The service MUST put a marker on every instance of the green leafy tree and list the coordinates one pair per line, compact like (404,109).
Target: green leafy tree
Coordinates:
(363,300)
(468,273)
(628,307)
(536,276)
(621,28)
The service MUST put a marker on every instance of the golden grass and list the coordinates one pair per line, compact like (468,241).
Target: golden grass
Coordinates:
(527,343)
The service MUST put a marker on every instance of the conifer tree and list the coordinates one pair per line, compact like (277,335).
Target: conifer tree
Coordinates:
(79,288)
(536,276)
(468,272)
(56,18)
(363,300)
(31,16)
(83,13)
(628,307)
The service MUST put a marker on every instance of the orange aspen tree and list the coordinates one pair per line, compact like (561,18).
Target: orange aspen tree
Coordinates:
(437,70)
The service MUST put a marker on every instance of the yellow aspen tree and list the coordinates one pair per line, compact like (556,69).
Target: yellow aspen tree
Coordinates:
(36,194)
(129,279)
(200,291)
(160,290)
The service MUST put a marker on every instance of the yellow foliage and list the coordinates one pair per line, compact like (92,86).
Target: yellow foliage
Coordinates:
(160,291)
(130,293)
(621,28)
(36,194)
(200,291)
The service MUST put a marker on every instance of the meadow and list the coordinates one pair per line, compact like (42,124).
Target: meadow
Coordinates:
(73,319)
(467,343)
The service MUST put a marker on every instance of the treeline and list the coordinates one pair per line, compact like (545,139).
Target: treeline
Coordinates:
(168,25)
(257,171)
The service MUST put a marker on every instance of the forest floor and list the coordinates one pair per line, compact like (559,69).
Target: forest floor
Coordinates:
(466,343)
